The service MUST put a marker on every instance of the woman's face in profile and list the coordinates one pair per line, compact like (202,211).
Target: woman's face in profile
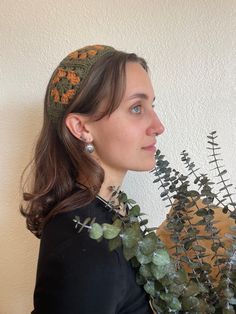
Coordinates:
(126,139)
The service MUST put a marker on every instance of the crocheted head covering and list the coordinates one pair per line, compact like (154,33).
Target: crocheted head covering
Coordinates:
(68,77)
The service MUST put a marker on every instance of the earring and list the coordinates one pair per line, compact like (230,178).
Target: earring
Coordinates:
(89,148)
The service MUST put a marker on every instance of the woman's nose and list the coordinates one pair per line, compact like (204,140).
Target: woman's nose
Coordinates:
(156,126)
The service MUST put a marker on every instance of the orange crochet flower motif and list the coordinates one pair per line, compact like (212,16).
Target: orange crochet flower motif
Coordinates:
(67,96)
(73,55)
(89,53)
(73,77)
(92,52)
(82,55)
(60,73)
(85,52)
(55,95)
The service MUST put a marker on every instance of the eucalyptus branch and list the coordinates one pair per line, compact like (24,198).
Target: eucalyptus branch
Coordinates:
(215,160)
(206,212)
(160,169)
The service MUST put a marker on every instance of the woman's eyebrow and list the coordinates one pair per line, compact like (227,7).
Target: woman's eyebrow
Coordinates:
(139,95)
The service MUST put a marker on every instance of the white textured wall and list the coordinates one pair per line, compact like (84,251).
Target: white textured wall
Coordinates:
(190,46)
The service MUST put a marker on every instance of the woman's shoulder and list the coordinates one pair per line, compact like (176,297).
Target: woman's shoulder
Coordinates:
(60,233)
(73,267)
(65,221)
(64,250)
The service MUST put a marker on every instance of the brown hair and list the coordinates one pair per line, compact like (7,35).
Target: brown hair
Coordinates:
(60,164)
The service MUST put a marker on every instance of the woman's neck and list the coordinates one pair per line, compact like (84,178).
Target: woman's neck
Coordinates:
(111,185)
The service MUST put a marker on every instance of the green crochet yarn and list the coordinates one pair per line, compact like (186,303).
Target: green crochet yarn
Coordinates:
(68,77)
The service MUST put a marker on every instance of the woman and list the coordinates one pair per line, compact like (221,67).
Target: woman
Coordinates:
(99,123)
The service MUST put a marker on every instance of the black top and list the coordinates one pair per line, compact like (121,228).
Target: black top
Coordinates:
(78,275)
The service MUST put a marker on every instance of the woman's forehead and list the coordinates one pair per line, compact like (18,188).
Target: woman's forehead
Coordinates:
(138,83)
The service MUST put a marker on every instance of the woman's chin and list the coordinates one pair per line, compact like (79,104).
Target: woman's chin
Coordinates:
(147,166)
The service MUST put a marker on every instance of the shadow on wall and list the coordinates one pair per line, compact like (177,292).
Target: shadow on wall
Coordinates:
(19,129)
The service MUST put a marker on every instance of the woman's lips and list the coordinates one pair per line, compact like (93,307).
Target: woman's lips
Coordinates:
(151,148)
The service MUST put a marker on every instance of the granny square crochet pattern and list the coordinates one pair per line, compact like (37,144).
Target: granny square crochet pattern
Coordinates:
(68,77)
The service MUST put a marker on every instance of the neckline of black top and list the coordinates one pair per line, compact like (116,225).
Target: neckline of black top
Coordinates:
(110,207)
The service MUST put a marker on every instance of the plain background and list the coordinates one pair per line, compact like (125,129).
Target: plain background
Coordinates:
(190,47)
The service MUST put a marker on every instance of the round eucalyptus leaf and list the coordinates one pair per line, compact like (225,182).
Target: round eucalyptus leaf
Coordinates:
(129,252)
(134,211)
(143,259)
(110,231)
(96,231)
(181,276)
(161,257)
(171,300)
(145,271)
(192,289)
(149,287)
(114,243)
(130,236)
(190,303)
(122,197)
(201,212)
(117,223)
(159,271)
(148,244)
(176,289)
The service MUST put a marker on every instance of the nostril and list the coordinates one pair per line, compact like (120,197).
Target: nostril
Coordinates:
(162,129)
(159,128)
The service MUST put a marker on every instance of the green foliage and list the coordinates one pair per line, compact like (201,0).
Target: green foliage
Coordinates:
(213,296)
(182,282)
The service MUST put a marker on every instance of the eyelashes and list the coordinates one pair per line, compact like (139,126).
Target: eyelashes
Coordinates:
(138,108)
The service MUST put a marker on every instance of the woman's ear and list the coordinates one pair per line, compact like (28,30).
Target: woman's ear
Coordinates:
(75,123)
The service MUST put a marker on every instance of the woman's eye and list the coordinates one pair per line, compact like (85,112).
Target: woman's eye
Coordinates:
(136,109)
